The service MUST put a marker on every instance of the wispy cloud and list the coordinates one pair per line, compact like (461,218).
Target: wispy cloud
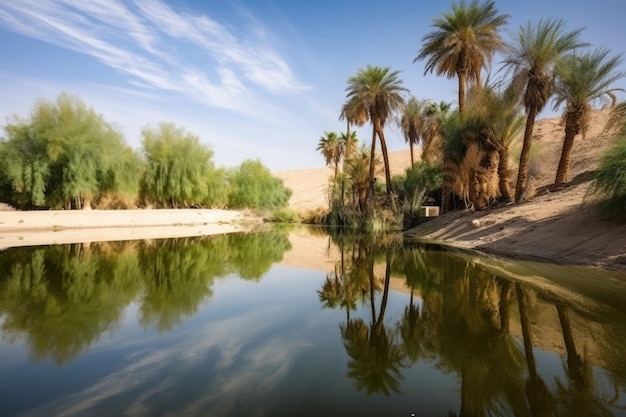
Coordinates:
(158,47)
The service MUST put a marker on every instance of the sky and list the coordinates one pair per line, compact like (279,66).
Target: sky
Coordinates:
(253,79)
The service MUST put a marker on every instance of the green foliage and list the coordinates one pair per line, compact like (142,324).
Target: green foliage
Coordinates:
(179,171)
(65,155)
(418,186)
(423,177)
(609,187)
(254,186)
(284,215)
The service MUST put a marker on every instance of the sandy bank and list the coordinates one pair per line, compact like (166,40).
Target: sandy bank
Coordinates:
(29,228)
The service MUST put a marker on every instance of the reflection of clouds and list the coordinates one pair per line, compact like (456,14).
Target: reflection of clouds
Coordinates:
(230,360)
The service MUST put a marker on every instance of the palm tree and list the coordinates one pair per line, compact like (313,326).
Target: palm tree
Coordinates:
(332,149)
(503,125)
(463,42)
(412,122)
(432,139)
(377,93)
(580,80)
(354,113)
(350,143)
(531,58)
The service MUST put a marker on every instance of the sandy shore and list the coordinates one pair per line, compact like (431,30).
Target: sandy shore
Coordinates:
(29,228)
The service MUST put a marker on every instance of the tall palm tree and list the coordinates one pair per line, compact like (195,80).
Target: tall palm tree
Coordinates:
(377,91)
(332,149)
(531,58)
(463,42)
(580,80)
(412,122)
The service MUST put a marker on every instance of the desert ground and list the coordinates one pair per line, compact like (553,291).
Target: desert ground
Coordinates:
(560,226)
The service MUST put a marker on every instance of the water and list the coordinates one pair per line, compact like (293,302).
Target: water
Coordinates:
(301,324)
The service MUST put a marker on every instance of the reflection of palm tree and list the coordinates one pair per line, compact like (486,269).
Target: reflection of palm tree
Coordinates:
(473,345)
(537,393)
(376,357)
(578,398)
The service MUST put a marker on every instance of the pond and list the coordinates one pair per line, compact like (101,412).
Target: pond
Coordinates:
(300,323)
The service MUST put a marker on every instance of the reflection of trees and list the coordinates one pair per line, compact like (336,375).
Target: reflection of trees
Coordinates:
(177,276)
(579,397)
(375,353)
(474,346)
(539,397)
(459,316)
(252,255)
(61,299)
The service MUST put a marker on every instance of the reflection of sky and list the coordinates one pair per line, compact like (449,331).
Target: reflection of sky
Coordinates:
(240,345)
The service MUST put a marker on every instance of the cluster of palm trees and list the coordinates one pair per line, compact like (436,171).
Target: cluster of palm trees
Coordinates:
(543,61)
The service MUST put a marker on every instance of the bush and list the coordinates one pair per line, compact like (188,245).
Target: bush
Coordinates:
(254,186)
(609,186)
(283,215)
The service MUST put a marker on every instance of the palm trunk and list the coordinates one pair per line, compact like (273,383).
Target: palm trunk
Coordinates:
(522,174)
(572,127)
(525,322)
(411,147)
(462,79)
(503,308)
(348,145)
(383,303)
(503,173)
(574,360)
(370,181)
(383,146)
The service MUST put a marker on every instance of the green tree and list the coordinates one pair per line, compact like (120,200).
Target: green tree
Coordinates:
(531,57)
(412,122)
(462,42)
(580,80)
(254,186)
(178,167)
(65,155)
(375,93)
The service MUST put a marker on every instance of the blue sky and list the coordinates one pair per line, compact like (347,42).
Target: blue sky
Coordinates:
(254,78)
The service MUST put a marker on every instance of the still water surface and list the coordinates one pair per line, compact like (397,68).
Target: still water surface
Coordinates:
(301,324)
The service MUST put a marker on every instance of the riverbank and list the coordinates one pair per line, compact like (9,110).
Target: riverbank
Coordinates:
(46,227)
(557,227)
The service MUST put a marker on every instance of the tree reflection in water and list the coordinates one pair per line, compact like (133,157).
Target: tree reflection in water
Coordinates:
(62,299)
(458,318)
